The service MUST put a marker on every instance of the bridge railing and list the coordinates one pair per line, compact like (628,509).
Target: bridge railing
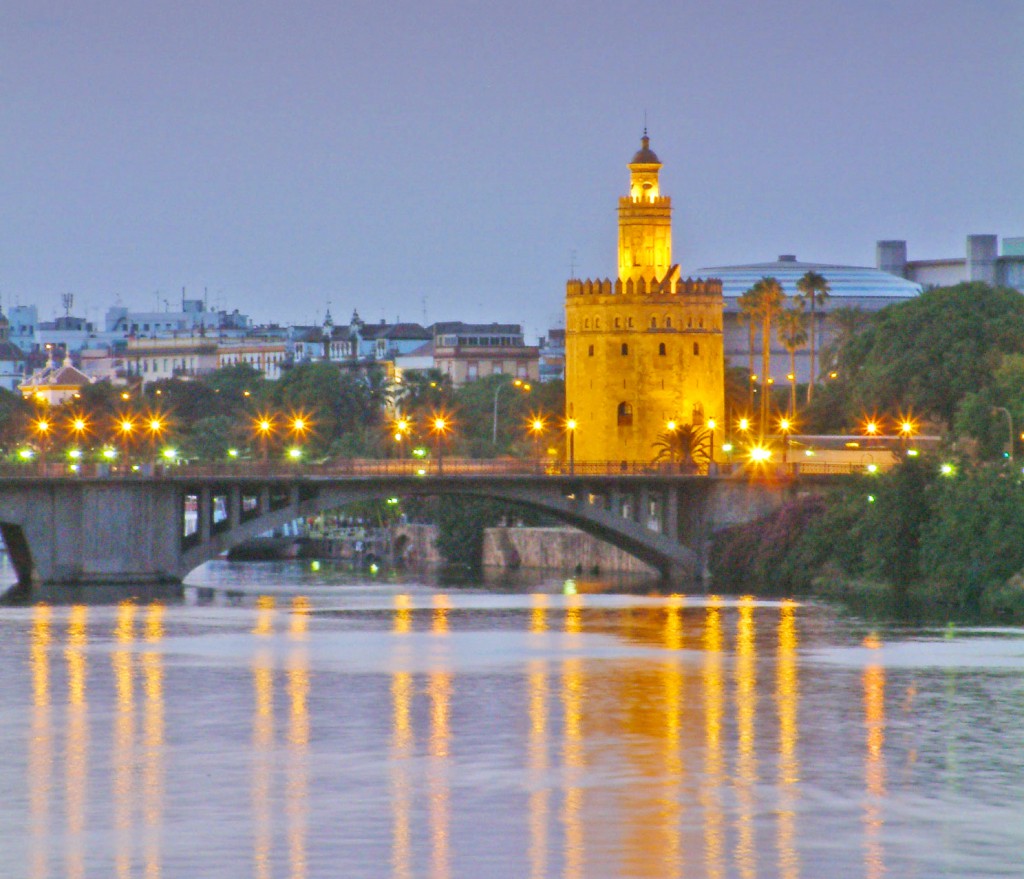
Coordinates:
(468,467)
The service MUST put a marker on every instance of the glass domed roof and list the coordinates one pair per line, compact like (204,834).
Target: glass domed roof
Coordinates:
(848,285)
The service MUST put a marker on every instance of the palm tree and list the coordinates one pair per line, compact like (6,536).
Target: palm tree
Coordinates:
(748,309)
(770,298)
(813,289)
(793,335)
(689,444)
(846,322)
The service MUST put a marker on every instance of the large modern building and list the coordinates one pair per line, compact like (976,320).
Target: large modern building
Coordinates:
(645,349)
(981,262)
(849,287)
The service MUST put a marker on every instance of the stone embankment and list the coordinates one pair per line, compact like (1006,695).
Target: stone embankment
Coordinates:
(561,549)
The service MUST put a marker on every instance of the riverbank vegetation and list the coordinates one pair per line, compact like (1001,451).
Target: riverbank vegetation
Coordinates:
(938,541)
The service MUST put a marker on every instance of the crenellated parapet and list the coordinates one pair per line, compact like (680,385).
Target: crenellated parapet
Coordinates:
(628,202)
(683,288)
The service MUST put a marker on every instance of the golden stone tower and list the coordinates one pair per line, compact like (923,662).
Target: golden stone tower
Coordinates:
(645,350)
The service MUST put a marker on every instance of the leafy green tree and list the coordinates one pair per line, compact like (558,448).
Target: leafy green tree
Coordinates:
(208,439)
(812,289)
(925,355)
(986,416)
(337,401)
(239,386)
(974,540)
(15,413)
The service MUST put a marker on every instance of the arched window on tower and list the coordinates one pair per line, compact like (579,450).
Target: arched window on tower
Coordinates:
(661,349)
(618,323)
(625,415)
(696,349)
(625,349)
(586,324)
(654,323)
(668,323)
(698,414)
(590,351)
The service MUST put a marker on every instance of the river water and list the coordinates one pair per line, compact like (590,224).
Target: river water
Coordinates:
(281,722)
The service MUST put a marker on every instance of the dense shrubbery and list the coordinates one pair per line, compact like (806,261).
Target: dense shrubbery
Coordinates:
(950,545)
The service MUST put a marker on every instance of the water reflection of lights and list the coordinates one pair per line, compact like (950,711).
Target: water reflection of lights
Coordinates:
(402,743)
(572,748)
(672,689)
(124,738)
(787,698)
(153,676)
(714,767)
(439,690)
(77,740)
(873,681)
(403,614)
(746,762)
(538,759)
(538,615)
(263,741)
(40,755)
(298,739)
(441,607)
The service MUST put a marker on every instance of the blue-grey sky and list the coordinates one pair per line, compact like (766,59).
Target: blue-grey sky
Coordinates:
(449,157)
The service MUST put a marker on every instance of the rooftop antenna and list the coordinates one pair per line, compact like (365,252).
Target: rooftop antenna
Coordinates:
(67,300)
(424,303)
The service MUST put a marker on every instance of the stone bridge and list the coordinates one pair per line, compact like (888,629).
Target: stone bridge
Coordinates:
(149,529)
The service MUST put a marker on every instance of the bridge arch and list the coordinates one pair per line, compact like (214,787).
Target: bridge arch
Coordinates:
(672,559)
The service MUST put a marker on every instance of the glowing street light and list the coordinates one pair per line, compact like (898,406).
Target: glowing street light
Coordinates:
(536,424)
(570,428)
(786,426)
(759,455)
(440,424)
(78,426)
(124,427)
(264,425)
(401,428)
(711,424)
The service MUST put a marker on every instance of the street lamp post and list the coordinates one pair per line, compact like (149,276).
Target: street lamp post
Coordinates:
(1009,422)
(712,424)
(439,427)
(785,426)
(570,426)
(537,426)
(264,426)
(517,383)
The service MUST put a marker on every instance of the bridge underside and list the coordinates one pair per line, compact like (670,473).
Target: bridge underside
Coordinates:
(149,531)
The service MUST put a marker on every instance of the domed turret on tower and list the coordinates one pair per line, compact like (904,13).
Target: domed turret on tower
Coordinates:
(643,172)
(645,221)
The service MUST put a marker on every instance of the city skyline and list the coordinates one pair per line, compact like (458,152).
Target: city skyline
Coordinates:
(459,161)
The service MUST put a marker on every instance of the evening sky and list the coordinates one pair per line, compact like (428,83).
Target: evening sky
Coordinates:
(454,160)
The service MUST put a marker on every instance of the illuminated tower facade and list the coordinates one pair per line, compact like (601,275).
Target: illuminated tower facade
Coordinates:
(645,350)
